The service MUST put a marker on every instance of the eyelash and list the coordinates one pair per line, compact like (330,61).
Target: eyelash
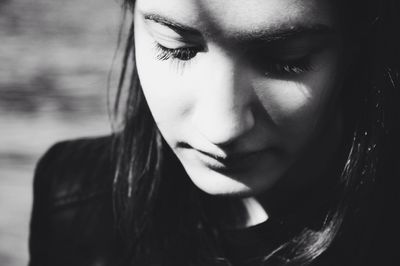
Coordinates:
(288,67)
(269,66)
(182,54)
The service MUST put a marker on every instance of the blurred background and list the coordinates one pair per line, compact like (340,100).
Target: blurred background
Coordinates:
(55,57)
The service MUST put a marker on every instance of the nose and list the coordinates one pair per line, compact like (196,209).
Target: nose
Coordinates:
(223,112)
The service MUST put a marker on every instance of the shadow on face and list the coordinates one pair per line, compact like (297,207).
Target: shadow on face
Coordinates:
(242,92)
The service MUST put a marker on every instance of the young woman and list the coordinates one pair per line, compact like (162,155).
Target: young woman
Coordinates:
(257,132)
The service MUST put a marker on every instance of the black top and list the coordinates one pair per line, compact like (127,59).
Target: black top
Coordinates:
(246,246)
(72,219)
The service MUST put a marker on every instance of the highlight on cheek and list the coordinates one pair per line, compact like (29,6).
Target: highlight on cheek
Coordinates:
(286,97)
(299,98)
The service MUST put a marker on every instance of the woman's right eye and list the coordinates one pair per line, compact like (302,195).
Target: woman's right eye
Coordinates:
(171,44)
(182,54)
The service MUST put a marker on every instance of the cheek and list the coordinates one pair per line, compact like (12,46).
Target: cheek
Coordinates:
(164,93)
(164,88)
(155,81)
(297,107)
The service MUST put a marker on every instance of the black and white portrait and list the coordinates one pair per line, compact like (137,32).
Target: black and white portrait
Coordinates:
(200,132)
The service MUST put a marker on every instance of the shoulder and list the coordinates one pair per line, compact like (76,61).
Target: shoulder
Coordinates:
(72,219)
(76,170)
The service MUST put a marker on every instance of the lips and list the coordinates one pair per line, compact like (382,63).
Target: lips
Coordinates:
(231,162)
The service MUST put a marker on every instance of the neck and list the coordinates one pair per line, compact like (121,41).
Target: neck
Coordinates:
(254,213)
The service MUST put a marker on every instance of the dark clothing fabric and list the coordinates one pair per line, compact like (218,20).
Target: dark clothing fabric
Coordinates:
(72,219)
(244,246)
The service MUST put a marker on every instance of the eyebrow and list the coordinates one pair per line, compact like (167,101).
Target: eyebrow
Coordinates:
(170,23)
(277,33)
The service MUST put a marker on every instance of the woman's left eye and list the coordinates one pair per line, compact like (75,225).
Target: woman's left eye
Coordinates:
(183,53)
(286,67)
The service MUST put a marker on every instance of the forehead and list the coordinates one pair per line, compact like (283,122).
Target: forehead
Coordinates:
(231,16)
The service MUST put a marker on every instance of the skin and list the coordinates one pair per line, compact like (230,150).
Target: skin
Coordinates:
(240,125)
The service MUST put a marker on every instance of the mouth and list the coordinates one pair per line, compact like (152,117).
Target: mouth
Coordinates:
(234,163)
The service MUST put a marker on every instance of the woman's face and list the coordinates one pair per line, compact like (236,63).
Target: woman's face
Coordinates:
(242,91)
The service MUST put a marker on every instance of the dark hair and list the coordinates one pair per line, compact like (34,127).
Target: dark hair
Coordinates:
(168,226)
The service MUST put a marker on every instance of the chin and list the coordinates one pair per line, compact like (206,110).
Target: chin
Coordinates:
(219,184)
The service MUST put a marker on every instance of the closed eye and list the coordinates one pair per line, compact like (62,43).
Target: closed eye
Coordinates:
(273,67)
(184,53)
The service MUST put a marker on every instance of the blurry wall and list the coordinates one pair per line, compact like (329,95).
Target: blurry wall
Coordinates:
(55,57)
